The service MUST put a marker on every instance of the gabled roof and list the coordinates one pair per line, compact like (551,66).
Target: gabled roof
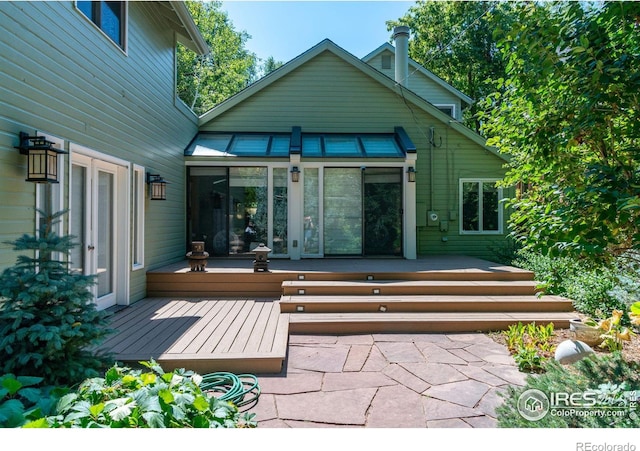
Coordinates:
(329,46)
(180,20)
(418,68)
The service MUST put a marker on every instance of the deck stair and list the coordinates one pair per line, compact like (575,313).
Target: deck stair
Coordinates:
(463,303)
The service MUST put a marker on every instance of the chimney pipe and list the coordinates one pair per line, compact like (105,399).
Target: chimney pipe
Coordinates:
(401,38)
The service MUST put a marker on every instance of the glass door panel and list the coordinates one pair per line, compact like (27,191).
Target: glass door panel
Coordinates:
(280,210)
(343,211)
(105,233)
(311,244)
(208,202)
(248,220)
(383,211)
(77,218)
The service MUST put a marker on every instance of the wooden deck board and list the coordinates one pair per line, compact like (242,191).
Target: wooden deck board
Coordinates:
(215,327)
(248,329)
(270,331)
(233,331)
(202,334)
(209,310)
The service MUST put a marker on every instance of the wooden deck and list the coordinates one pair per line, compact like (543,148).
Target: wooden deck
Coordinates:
(229,318)
(204,335)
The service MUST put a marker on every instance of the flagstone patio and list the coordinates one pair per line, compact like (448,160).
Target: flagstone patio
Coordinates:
(388,381)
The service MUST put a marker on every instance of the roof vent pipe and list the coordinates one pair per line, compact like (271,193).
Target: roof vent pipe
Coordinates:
(401,38)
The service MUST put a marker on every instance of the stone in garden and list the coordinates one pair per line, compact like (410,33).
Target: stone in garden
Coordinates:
(570,351)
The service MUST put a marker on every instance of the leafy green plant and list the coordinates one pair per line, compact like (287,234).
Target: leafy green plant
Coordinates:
(137,398)
(529,360)
(48,319)
(530,344)
(634,313)
(614,334)
(22,400)
(608,376)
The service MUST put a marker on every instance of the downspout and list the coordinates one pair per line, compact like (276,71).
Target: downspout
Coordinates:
(432,132)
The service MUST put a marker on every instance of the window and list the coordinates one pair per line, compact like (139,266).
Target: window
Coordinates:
(110,17)
(480,210)
(137,247)
(386,61)
(447,109)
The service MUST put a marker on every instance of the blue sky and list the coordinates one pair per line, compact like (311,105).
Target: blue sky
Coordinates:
(285,29)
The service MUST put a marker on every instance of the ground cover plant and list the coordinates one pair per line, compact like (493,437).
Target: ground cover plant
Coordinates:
(531,345)
(147,397)
(24,399)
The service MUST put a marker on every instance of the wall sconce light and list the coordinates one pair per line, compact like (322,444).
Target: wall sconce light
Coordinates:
(295,174)
(42,158)
(157,187)
(411,174)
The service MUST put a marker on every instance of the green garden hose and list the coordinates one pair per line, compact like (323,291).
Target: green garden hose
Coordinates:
(240,389)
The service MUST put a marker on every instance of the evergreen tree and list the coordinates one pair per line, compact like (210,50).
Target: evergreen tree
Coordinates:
(48,320)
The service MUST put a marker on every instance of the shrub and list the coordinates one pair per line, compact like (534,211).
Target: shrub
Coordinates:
(135,398)
(608,377)
(596,290)
(47,315)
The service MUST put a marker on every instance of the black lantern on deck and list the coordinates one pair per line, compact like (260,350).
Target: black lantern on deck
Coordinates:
(42,158)
(157,187)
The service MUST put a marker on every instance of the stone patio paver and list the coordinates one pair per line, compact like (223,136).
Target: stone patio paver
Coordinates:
(406,378)
(435,373)
(397,407)
(349,381)
(337,407)
(466,393)
(435,354)
(319,358)
(397,352)
(388,381)
(435,409)
(357,357)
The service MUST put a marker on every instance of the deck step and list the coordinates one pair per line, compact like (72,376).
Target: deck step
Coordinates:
(409,287)
(366,323)
(423,303)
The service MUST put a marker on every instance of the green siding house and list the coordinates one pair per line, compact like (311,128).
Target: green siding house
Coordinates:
(332,156)
(328,156)
(97,79)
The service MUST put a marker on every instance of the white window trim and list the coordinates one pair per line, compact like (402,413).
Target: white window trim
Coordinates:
(137,234)
(500,230)
(125,25)
(454,112)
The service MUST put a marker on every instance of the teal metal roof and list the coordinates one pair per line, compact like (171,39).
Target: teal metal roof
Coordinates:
(310,145)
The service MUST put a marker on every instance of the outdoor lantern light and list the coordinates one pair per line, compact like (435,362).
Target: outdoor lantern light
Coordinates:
(411,174)
(295,174)
(42,158)
(261,263)
(157,187)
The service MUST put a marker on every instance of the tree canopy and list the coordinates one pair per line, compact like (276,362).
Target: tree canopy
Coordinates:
(455,41)
(206,81)
(568,118)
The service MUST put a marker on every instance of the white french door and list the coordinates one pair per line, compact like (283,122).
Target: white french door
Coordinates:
(96,221)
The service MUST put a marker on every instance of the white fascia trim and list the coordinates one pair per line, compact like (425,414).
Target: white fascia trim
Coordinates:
(193,33)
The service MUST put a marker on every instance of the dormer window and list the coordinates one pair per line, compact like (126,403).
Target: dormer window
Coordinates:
(447,109)
(110,17)
(386,61)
